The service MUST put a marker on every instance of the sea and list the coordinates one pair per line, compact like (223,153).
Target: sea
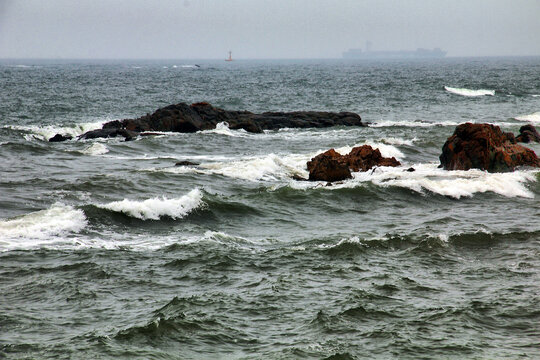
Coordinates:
(108,250)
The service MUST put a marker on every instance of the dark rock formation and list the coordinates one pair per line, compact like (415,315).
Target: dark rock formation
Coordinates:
(332,166)
(203,116)
(485,147)
(108,133)
(186,163)
(60,137)
(527,134)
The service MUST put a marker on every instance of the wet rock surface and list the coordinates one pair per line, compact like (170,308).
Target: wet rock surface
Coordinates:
(186,118)
(485,147)
(332,166)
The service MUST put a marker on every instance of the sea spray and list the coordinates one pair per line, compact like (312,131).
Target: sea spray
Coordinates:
(155,208)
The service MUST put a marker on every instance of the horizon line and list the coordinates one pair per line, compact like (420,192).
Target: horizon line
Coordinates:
(249,59)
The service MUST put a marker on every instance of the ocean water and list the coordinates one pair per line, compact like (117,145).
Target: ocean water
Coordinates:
(108,250)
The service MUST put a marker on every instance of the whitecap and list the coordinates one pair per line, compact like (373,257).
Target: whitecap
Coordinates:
(469,92)
(398,141)
(534,117)
(415,124)
(154,208)
(271,167)
(386,150)
(95,149)
(428,177)
(222,128)
(41,227)
(48,131)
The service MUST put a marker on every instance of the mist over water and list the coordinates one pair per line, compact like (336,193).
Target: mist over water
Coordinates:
(109,250)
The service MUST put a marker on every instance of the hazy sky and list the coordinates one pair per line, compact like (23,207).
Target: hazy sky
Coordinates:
(263,28)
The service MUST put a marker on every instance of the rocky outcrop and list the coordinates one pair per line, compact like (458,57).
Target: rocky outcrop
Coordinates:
(527,134)
(332,166)
(485,147)
(328,166)
(108,133)
(203,116)
(60,137)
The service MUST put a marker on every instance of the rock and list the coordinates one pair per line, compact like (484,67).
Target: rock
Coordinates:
(186,163)
(59,138)
(411,169)
(485,147)
(328,166)
(107,133)
(527,134)
(203,116)
(363,158)
(332,166)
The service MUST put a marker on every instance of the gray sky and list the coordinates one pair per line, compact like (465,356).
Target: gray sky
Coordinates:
(198,29)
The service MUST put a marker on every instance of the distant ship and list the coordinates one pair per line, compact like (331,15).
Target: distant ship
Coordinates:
(230,57)
(402,54)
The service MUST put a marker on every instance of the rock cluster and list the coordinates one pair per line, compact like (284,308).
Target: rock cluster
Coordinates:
(186,118)
(332,166)
(485,147)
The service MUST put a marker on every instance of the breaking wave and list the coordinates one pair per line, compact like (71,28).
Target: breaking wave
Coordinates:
(95,149)
(40,227)
(427,177)
(46,132)
(155,208)
(469,92)
(534,118)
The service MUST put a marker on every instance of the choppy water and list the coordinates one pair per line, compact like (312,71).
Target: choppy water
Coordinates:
(109,250)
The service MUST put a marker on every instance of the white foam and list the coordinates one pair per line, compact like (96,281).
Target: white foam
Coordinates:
(415,124)
(535,95)
(95,149)
(222,128)
(534,118)
(48,131)
(386,150)
(398,141)
(41,227)
(271,167)
(428,177)
(154,208)
(469,92)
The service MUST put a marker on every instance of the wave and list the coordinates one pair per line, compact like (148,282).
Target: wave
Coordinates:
(469,92)
(155,208)
(95,149)
(428,177)
(46,132)
(40,227)
(222,128)
(271,167)
(534,117)
(415,124)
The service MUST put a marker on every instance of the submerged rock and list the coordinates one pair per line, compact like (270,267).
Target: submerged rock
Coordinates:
(332,166)
(60,137)
(485,147)
(186,163)
(108,133)
(527,134)
(203,116)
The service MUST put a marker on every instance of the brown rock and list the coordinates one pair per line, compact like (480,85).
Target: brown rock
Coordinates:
(485,147)
(527,134)
(328,166)
(332,166)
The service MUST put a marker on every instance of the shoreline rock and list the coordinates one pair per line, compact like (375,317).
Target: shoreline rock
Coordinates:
(485,147)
